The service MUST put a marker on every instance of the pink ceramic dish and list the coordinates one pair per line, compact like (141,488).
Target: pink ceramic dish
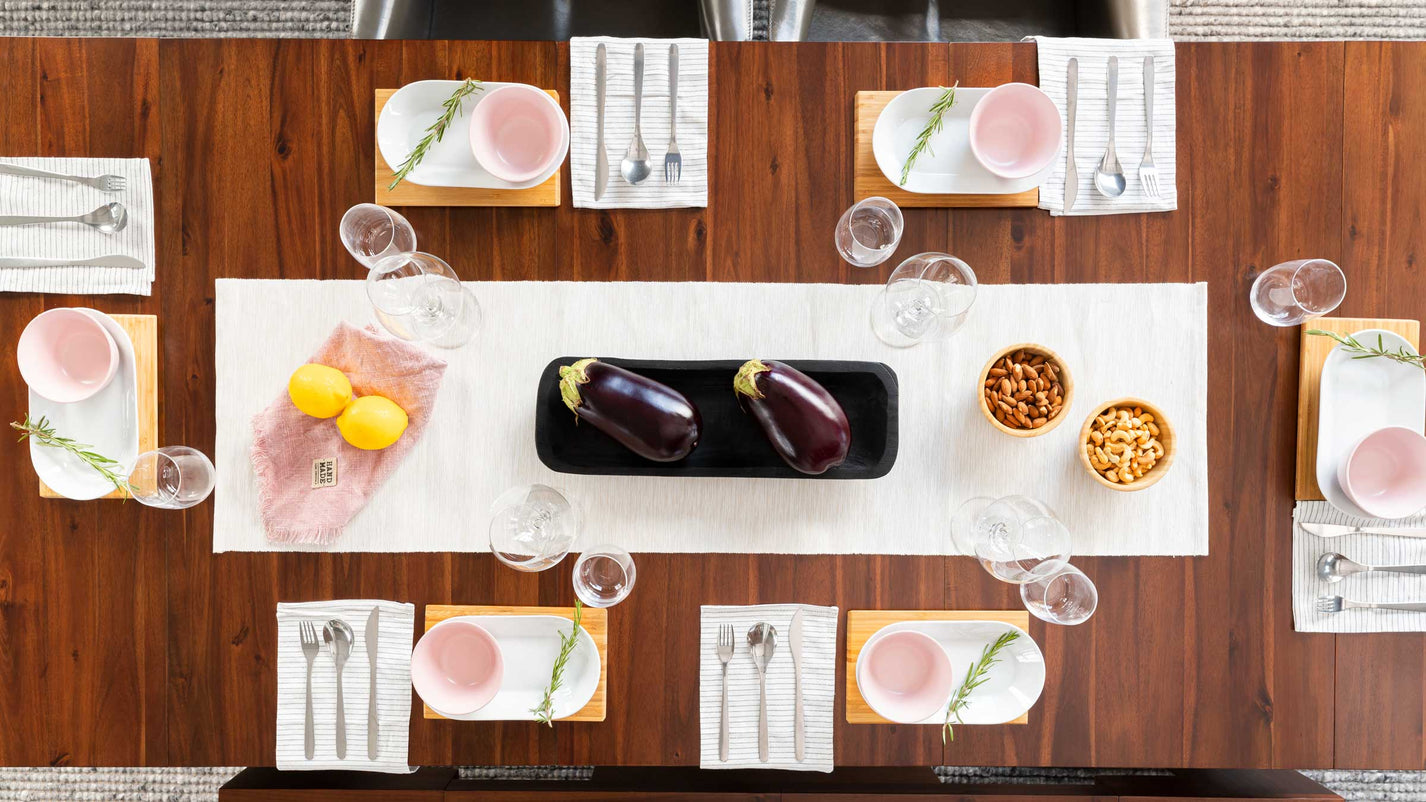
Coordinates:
(1015,130)
(66,356)
(1385,472)
(518,133)
(905,676)
(457,667)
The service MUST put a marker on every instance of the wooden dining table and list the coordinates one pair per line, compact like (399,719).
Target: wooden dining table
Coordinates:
(124,640)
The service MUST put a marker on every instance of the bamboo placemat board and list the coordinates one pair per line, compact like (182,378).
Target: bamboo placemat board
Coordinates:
(593,619)
(409,194)
(868,180)
(143,332)
(1314,355)
(862,624)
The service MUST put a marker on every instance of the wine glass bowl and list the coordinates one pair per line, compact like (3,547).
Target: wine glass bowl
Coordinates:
(1017,539)
(418,297)
(532,527)
(1062,373)
(926,299)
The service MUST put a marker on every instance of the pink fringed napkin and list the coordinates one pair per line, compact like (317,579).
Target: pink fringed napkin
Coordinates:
(287,443)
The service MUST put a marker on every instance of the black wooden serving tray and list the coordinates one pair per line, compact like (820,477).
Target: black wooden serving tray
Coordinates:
(732,443)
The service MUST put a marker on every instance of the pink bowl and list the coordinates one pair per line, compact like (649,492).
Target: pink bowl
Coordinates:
(1015,130)
(65,355)
(1385,472)
(457,667)
(905,676)
(518,133)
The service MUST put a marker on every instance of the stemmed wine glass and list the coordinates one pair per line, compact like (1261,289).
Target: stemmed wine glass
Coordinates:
(372,233)
(1016,538)
(418,297)
(532,527)
(172,478)
(927,298)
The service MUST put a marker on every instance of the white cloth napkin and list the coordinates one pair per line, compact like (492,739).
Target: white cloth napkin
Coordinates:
(819,688)
(52,197)
(393,687)
(1373,587)
(1092,121)
(652,193)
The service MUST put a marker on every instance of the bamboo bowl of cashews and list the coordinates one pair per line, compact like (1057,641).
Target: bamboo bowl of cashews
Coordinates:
(1127,444)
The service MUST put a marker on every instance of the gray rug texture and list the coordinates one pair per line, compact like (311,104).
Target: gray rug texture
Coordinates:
(313,19)
(1297,19)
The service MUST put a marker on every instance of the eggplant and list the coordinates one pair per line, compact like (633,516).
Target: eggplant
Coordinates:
(806,425)
(650,419)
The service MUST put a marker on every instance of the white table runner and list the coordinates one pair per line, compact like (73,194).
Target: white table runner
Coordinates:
(481,440)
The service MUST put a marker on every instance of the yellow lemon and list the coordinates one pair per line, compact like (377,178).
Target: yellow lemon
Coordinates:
(319,391)
(372,422)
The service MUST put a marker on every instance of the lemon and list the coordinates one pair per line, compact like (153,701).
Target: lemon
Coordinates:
(372,422)
(319,391)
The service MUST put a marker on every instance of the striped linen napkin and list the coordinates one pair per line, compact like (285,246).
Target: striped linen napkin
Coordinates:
(652,193)
(393,687)
(819,690)
(55,198)
(1373,587)
(1092,121)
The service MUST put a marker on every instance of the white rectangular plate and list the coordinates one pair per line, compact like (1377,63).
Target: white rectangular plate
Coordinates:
(529,645)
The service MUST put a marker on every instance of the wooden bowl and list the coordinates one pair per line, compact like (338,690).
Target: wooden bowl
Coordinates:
(1066,382)
(1166,438)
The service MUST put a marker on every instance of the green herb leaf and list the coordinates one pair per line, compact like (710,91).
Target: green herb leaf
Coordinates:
(1352,344)
(933,126)
(977,675)
(544,711)
(450,110)
(43,433)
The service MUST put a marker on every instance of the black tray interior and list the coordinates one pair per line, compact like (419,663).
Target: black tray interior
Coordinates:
(732,444)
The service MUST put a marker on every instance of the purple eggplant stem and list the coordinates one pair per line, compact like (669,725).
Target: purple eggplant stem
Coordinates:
(804,423)
(651,419)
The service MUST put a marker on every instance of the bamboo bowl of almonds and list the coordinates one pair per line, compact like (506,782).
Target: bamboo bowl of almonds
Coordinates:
(1025,390)
(1127,444)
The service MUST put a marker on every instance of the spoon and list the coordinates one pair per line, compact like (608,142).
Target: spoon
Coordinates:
(109,218)
(1333,567)
(635,166)
(1108,175)
(339,636)
(762,640)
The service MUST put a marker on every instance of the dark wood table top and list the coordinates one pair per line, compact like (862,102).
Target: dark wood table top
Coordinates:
(124,640)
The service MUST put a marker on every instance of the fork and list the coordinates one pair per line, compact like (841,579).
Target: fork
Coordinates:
(310,647)
(725,653)
(1336,604)
(1148,173)
(105,183)
(673,162)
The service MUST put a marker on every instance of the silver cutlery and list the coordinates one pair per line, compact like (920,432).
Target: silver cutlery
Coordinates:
(1071,170)
(725,653)
(1338,530)
(310,647)
(371,636)
(109,218)
(1336,604)
(339,636)
(635,167)
(762,640)
(104,183)
(1333,567)
(794,644)
(1108,175)
(112,260)
(673,161)
(601,157)
(1148,173)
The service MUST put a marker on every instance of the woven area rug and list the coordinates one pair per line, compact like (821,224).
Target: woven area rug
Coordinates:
(1297,19)
(311,19)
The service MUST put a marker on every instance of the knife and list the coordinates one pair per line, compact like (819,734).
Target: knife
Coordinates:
(601,159)
(372,728)
(1071,172)
(1338,530)
(794,642)
(112,260)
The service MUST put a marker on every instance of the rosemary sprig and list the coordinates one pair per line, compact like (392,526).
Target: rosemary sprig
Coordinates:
(1351,343)
(978,674)
(451,107)
(44,434)
(544,711)
(933,126)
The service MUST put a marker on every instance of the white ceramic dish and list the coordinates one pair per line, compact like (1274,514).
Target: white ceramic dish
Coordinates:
(450,162)
(529,645)
(1014,684)
(950,168)
(1357,397)
(108,421)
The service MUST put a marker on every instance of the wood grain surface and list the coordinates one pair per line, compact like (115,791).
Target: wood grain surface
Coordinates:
(1315,349)
(124,640)
(862,624)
